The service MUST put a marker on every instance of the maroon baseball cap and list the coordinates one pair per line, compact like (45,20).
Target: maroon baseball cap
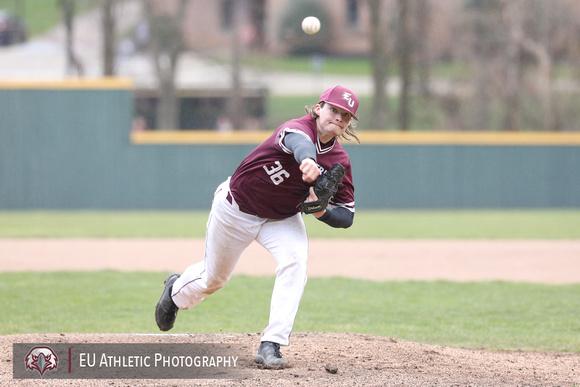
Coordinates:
(341,97)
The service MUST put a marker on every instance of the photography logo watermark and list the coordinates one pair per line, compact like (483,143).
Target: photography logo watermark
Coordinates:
(128,361)
(41,359)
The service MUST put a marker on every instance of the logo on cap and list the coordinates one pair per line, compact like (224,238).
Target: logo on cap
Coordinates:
(346,97)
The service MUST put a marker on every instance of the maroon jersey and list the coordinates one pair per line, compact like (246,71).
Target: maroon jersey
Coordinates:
(268,183)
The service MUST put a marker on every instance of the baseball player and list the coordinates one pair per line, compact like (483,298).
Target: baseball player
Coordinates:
(263,201)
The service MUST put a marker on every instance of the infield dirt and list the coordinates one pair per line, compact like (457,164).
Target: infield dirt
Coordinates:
(360,359)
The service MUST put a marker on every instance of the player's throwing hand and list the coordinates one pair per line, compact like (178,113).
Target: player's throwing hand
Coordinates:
(309,169)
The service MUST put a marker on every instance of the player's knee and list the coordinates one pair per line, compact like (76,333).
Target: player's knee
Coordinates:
(213,284)
(294,262)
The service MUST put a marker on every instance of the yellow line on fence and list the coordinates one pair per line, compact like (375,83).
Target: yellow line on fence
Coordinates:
(104,83)
(180,137)
(185,137)
(471,138)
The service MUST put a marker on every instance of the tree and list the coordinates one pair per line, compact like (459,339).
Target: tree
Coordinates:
(236,100)
(109,38)
(166,45)
(518,43)
(404,50)
(379,63)
(423,18)
(538,47)
(514,20)
(483,23)
(73,64)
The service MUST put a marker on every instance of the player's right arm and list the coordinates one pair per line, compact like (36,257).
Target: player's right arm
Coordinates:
(305,154)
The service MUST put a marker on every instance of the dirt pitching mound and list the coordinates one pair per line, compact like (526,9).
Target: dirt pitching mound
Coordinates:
(357,359)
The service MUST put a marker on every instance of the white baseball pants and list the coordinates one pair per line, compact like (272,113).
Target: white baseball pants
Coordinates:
(229,232)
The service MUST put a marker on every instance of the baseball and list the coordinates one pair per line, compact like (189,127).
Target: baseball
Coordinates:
(310,25)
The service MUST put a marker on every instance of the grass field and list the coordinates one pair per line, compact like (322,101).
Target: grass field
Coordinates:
(495,315)
(439,224)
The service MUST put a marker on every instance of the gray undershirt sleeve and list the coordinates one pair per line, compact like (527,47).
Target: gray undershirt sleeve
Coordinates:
(301,147)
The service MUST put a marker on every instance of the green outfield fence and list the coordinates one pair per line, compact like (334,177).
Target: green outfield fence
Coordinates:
(69,145)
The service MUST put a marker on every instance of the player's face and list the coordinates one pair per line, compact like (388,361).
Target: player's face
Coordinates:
(332,121)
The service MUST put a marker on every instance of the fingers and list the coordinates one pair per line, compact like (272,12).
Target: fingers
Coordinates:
(309,169)
(311,196)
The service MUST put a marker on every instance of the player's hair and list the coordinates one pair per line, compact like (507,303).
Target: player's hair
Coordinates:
(350,132)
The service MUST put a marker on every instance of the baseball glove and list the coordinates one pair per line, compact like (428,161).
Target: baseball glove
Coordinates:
(325,187)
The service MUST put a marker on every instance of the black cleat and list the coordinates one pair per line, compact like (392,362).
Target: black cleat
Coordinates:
(166,310)
(269,356)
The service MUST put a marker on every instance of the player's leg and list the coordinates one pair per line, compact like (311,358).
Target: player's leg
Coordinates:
(229,233)
(205,277)
(288,242)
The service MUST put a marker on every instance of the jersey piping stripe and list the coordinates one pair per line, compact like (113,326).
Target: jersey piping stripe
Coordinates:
(319,149)
(348,206)
(288,130)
